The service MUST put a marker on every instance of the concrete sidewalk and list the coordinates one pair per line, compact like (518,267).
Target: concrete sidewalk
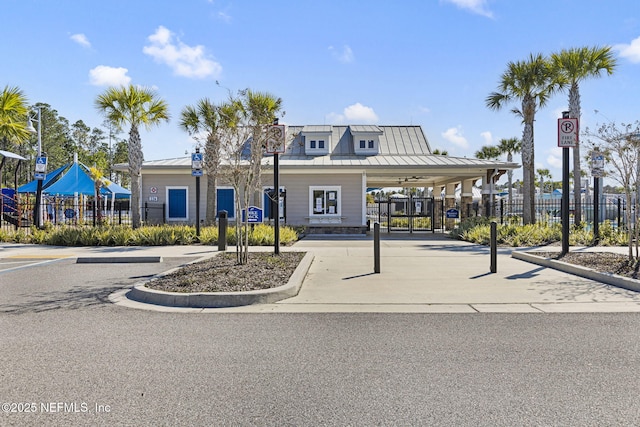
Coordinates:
(419,274)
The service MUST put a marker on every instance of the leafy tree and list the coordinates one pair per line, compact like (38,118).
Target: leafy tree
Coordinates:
(531,83)
(573,66)
(440,152)
(13,121)
(202,122)
(133,106)
(621,148)
(57,141)
(243,124)
(510,146)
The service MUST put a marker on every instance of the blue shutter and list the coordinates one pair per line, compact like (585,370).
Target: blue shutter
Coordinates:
(226,202)
(177,203)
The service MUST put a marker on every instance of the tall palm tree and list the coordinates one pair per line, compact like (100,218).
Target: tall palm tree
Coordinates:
(489,152)
(543,173)
(134,106)
(204,118)
(532,83)
(510,146)
(261,109)
(575,65)
(13,119)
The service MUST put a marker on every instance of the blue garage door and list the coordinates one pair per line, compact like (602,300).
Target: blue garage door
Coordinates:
(226,202)
(177,203)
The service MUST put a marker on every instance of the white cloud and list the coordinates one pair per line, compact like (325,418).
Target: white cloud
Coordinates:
(103,75)
(354,114)
(476,6)
(487,137)
(81,39)
(630,51)
(554,161)
(454,136)
(361,114)
(184,60)
(345,55)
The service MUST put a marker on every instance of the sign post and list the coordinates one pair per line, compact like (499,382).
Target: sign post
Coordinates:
(196,170)
(276,145)
(567,138)
(597,170)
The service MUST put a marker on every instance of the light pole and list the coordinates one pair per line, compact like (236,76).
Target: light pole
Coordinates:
(40,168)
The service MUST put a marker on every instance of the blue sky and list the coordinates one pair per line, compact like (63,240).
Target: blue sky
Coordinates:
(422,62)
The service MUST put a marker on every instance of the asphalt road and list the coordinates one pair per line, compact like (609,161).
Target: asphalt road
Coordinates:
(70,357)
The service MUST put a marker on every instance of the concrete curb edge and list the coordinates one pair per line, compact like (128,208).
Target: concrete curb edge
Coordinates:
(588,273)
(141,293)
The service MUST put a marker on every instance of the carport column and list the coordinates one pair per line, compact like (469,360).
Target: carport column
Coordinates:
(466,198)
(487,208)
(450,203)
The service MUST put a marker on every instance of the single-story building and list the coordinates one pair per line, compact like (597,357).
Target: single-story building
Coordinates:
(324,175)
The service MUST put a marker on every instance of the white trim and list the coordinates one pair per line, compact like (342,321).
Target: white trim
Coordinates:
(177,187)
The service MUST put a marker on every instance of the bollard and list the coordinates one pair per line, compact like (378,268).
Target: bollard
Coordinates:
(494,247)
(376,247)
(222,231)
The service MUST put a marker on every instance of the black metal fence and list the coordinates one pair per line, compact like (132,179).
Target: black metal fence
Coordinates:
(612,209)
(19,212)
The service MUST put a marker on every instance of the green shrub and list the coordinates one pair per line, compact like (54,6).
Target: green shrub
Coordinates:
(261,234)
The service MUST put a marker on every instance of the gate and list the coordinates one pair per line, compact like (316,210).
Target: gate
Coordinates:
(408,214)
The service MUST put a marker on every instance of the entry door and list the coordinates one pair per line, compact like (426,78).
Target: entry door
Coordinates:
(177,200)
(226,202)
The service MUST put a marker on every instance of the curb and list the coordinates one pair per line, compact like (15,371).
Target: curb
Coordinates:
(588,273)
(141,293)
(118,259)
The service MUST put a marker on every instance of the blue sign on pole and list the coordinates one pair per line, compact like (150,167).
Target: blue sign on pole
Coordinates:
(453,213)
(196,172)
(255,215)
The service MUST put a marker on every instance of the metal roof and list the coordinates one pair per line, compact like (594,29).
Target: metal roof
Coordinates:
(404,156)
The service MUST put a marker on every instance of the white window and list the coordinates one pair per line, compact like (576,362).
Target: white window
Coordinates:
(312,144)
(325,201)
(321,144)
(363,143)
(370,144)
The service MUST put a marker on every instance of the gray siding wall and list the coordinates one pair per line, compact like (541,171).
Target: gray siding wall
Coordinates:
(296,185)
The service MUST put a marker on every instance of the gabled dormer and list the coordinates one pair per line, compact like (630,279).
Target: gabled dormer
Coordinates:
(366,139)
(317,139)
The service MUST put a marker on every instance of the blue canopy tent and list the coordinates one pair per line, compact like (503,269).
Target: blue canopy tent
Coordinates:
(31,187)
(114,189)
(75,181)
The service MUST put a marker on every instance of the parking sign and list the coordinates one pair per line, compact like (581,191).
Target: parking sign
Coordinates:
(567,133)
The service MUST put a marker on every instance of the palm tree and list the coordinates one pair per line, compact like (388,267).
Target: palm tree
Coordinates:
(510,146)
(13,119)
(575,65)
(204,118)
(261,109)
(532,83)
(488,152)
(543,173)
(134,106)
